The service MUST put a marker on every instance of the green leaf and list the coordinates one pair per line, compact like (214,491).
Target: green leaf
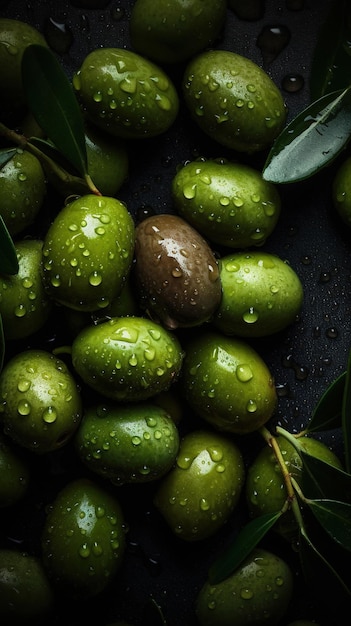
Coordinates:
(54,105)
(312,140)
(247,539)
(346,416)
(8,256)
(322,480)
(327,413)
(6,155)
(335,517)
(2,345)
(331,61)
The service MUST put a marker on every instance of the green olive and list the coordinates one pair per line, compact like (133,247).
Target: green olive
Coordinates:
(341,192)
(14,473)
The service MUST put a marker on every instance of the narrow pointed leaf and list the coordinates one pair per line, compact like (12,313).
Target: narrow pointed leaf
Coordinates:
(6,155)
(331,61)
(327,413)
(312,140)
(2,345)
(335,517)
(321,480)
(346,416)
(246,540)
(53,103)
(8,256)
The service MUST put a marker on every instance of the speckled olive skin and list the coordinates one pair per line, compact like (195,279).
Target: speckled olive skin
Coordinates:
(88,252)
(341,192)
(127,358)
(257,593)
(24,304)
(126,94)
(14,473)
(197,496)
(83,539)
(233,100)
(228,203)
(265,489)
(22,191)
(227,383)
(172,31)
(176,272)
(40,403)
(262,294)
(127,444)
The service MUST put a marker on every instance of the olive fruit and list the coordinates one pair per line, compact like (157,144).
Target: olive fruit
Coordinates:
(14,473)
(302,622)
(15,37)
(83,539)
(261,294)
(227,383)
(228,203)
(265,488)
(233,100)
(127,358)
(201,491)
(24,304)
(125,94)
(258,592)
(172,31)
(26,596)
(136,443)
(40,402)
(22,191)
(175,271)
(341,191)
(88,251)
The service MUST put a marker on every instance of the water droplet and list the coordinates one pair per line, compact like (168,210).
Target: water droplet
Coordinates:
(23,407)
(250,316)
(292,83)
(244,372)
(272,40)
(246,593)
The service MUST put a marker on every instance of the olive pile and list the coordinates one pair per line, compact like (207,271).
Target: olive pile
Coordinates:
(153,377)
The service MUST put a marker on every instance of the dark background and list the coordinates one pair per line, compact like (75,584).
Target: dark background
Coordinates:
(304,359)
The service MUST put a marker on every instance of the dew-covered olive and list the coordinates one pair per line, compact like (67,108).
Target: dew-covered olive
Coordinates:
(40,402)
(227,383)
(228,203)
(233,100)
(83,539)
(261,294)
(172,31)
(14,473)
(24,304)
(136,443)
(26,596)
(88,251)
(176,272)
(127,358)
(126,94)
(258,592)
(201,491)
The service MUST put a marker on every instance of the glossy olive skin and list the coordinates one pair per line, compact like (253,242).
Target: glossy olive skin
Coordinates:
(197,496)
(341,192)
(40,403)
(15,473)
(24,304)
(233,100)
(26,596)
(261,294)
(22,191)
(176,272)
(257,593)
(83,539)
(227,383)
(228,203)
(127,358)
(172,31)
(265,488)
(87,252)
(136,443)
(126,94)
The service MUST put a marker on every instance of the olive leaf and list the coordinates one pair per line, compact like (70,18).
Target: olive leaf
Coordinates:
(246,540)
(335,517)
(6,155)
(331,61)
(327,413)
(346,416)
(322,480)
(312,140)
(8,256)
(52,101)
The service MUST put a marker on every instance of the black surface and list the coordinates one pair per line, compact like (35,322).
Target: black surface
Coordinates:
(304,359)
